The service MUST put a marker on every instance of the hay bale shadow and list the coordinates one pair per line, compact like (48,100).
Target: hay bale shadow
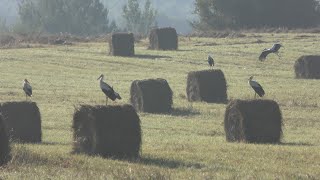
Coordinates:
(147,56)
(165,163)
(4,143)
(163,39)
(184,112)
(23,121)
(207,85)
(108,131)
(151,95)
(307,67)
(121,44)
(253,121)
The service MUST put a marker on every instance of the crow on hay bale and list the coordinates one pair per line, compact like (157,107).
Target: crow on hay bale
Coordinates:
(256,87)
(274,49)
(151,95)
(208,85)
(108,131)
(163,39)
(253,121)
(27,88)
(308,67)
(108,90)
(4,143)
(121,44)
(23,121)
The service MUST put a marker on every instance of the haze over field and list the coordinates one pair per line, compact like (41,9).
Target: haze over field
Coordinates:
(175,13)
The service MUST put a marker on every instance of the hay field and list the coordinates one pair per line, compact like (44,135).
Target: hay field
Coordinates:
(187,144)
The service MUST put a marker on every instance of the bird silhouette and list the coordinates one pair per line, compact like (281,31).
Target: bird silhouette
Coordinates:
(274,49)
(256,87)
(27,88)
(108,90)
(210,61)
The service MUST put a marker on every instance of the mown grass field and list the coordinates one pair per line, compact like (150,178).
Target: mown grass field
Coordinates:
(187,144)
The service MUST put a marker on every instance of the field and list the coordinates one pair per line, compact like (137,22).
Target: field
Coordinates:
(188,143)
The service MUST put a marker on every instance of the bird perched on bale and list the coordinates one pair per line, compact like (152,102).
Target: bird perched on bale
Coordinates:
(210,61)
(256,87)
(27,88)
(275,48)
(108,90)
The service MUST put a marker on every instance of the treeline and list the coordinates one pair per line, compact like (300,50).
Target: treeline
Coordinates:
(79,17)
(220,14)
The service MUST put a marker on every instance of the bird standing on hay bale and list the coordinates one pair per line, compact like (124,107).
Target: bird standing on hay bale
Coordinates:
(108,90)
(256,87)
(210,61)
(275,48)
(27,88)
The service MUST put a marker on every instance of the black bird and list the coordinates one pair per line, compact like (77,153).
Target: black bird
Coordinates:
(27,88)
(210,61)
(108,90)
(256,87)
(275,48)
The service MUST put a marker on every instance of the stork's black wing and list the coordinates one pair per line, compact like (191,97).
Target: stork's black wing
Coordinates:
(264,54)
(28,91)
(210,61)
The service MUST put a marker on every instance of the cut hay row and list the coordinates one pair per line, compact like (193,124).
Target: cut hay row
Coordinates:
(108,131)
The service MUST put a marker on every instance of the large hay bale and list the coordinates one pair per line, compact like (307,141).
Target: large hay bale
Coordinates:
(23,121)
(253,121)
(121,44)
(151,95)
(4,143)
(163,39)
(208,85)
(108,131)
(307,67)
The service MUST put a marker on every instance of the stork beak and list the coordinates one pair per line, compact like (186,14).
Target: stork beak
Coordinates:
(100,77)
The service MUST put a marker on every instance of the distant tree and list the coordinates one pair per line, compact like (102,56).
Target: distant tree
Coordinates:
(80,17)
(136,20)
(3,25)
(256,13)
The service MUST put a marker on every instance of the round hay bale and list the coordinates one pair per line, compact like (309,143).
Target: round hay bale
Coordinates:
(307,67)
(108,131)
(163,39)
(121,44)
(253,121)
(151,95)
(23,121)
(208,85)
(4,143)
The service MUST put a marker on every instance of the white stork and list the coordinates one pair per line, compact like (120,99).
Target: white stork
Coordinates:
(210,61)
(256,87)
(27,88)
(275,48)
(108,90)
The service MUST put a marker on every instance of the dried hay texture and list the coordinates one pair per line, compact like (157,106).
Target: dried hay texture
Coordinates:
(23,121)
(4,143)
(151,95)
(108,131)
(307,67)
(253,121)
(208,85)
(163,39)
(121,44)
